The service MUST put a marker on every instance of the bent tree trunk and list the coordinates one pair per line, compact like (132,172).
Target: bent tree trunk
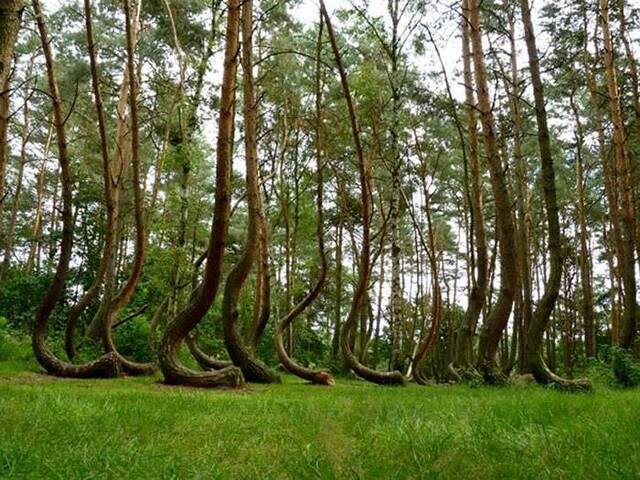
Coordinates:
(478,293)
(124,296)
(107,251)
(254,370)
(501,310)
(174,371)
(427,344)
(542,314)
(107,365)
(321,377)
(364,267)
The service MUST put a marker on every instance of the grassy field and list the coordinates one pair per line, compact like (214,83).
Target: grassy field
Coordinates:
(139,428)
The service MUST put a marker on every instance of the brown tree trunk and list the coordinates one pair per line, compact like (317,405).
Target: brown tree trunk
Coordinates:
(125,294)
(172,368)
(10,19)
(17,193)
(498,318)
(364,272)
(108,249)
(478,293)
(253,369)
(321,377)
(34,245)
(107,365)
(624,185)
(585,254)
(546,304)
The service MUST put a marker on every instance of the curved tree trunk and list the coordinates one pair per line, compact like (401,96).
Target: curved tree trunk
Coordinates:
(478,293)
(107,252)
(107,365)
(321,377)
(124,296)
(501,310)
(546,304)
(364,267)
(172,368)
(430,339)
(254,370)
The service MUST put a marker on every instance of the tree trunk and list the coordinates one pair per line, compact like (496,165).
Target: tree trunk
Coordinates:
(108,365)
(320,377)
(624,185)
(364,273)
(10,19)
(172,368)
(478,292)
(546,304)
(253,369)
(585,255)
(108,249)
(499,317)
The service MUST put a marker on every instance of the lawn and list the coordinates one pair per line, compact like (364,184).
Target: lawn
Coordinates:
(138,428)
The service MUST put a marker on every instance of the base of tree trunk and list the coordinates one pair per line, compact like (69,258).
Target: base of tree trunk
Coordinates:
(464,373)
(546,377)
(230,377)
(205,361)
(316,377)
(107,366)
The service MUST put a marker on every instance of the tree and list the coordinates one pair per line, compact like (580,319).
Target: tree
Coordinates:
(546,304)
(500,312)
(172,368)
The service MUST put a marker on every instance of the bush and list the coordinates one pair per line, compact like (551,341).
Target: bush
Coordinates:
(132,339)
(13,346)
(625,368)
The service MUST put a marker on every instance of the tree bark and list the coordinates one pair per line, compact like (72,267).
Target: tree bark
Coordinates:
(624,185)
(320,377)
(172,368)
(253,369)
(364,271)
(546,304)
(10,20)
(108,365)
(499,316)
(478,292)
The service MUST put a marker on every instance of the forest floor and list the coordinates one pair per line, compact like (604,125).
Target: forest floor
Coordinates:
(139,428)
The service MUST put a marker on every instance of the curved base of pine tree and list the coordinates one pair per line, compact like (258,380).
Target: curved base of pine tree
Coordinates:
(317,377)
(205,361)
(175,373)
(128,366)
(371,375)
(136,368)
(253,369)
(107,366)
(381,378)
(464,373)
(419,378)
(546,377)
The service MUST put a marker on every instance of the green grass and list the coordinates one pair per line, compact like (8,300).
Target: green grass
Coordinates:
(137,428)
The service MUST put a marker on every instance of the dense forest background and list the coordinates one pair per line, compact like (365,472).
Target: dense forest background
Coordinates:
(408,190)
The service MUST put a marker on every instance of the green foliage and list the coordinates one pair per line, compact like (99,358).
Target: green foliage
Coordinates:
(132,339)
(20,296)
(13,347)
(625,368)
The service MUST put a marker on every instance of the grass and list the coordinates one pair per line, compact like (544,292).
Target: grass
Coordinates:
(137,428)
